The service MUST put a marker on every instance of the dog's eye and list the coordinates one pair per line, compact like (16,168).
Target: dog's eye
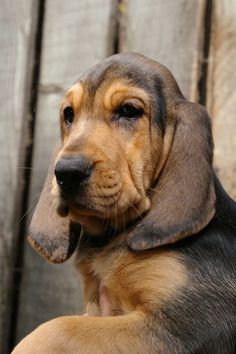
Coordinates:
(68,115)
(128,111)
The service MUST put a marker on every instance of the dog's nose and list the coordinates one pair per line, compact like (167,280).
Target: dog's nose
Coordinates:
(71,173)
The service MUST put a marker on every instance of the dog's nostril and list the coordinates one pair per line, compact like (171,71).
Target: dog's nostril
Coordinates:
(63,179)
(70,173)
(60,179)
(70,180)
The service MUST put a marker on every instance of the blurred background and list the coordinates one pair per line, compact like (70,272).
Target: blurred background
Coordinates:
(45,46)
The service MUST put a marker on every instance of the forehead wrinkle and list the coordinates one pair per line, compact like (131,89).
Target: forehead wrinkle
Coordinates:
(75,95)
(124,91)
(110,71)
(93,79)
(97,75)
(88,95)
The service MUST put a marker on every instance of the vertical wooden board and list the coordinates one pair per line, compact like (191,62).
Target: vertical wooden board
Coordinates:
(76,35)
(17,20)
(170,32)
(221,90)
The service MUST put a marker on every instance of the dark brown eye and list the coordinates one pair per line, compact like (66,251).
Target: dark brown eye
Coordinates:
(128,111)
(68,115)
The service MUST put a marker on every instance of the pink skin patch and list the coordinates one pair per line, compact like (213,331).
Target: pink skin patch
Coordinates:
(104,302)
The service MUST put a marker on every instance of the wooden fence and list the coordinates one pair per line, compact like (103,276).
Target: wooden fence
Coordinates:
(45,46)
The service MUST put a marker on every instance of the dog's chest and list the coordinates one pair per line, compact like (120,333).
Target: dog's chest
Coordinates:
(135,280)
(104,265)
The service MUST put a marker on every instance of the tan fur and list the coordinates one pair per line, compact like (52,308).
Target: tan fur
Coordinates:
(86,335)
(74,96)
(118,92)
(120,271)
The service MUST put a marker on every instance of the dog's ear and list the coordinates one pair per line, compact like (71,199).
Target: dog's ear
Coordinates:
(184,199)
(53,236)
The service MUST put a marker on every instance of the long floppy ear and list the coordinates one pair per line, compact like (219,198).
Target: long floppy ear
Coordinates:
(53,236)
(184,199)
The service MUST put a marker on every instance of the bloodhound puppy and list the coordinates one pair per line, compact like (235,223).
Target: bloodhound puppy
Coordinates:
(131,188)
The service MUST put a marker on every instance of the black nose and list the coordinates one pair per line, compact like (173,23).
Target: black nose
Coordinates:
(71,173)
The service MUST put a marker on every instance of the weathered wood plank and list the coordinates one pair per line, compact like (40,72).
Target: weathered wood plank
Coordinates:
(221,93)
(77,34)
(17,21)
(170,32)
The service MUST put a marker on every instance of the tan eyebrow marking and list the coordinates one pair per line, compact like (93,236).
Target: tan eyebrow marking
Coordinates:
(75,95)
(119,91)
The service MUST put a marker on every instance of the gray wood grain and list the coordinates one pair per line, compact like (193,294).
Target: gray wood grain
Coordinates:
(17,20)
(221,90)
(170,32)
(76,35)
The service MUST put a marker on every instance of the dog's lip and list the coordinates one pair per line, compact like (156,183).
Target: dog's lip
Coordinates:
(86,209)
(81,205)
(82,208)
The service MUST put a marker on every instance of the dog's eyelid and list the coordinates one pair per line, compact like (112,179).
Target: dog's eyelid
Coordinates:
(133,107)
(135,101)
(134,104)
(129,111)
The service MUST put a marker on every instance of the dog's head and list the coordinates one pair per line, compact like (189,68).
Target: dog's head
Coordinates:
(132,148)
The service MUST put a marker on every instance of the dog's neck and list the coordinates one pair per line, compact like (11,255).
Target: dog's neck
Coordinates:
(99,226)
(96,234)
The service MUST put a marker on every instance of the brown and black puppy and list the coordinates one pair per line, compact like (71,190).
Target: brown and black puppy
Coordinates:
(132,183)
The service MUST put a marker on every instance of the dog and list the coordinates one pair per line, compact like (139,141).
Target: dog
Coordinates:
(131,188)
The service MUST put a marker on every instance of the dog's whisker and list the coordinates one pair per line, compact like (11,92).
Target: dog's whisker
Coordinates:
(29,210)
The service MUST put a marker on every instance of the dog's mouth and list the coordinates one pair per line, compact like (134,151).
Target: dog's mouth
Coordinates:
(101,201)
(97,217)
